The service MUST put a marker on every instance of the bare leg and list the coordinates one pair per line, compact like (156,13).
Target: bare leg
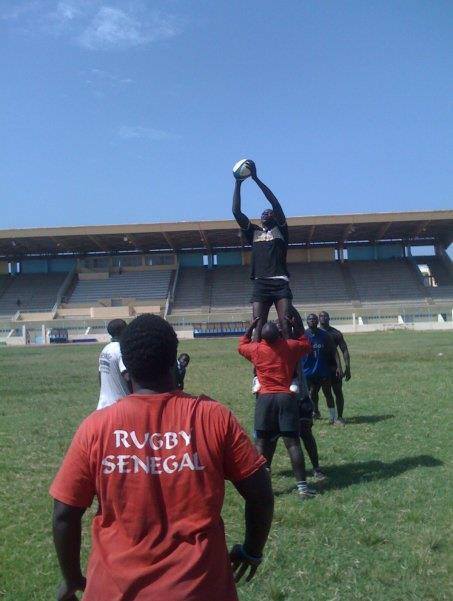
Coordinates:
(296,457)
(260,310)
(314,395)
(337,387)
(327,390)
(266,448)
(309,443)
(283,307)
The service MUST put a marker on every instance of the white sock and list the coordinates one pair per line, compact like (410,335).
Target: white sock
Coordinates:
(333,413)
(302,485)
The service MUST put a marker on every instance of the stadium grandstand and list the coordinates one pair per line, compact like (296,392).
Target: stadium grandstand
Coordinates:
(370,271)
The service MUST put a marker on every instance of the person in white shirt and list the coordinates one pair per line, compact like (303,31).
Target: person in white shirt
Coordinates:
(112,370)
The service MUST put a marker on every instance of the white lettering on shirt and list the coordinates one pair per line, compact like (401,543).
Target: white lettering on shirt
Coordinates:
(151,464)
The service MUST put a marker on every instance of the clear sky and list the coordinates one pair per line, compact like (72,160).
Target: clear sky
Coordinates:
(135,111)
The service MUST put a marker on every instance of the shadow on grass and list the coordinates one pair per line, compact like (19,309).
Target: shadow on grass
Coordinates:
(347,474)
(368,419)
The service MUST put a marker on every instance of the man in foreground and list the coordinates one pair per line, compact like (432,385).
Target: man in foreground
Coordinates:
(276,409)
(113,385)
(317,366)
(157,461)
(337,379)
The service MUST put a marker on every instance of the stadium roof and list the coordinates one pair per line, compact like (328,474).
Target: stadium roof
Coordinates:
(415,228)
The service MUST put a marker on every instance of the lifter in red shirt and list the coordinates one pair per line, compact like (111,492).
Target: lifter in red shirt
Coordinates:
(276,409)
(157,461)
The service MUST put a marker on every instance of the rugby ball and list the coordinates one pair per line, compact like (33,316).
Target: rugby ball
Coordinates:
(241,169)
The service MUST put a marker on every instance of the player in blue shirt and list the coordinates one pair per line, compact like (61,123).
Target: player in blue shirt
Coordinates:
(317,366)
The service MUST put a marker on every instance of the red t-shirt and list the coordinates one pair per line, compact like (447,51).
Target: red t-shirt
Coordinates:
(157,464)
(275,364)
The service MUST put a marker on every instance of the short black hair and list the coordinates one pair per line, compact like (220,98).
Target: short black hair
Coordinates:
(148,348)
(270,333)
(115,327)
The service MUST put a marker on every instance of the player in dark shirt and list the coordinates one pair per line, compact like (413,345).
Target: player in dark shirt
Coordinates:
(317,366)
(269,247)
(337,380)
(180,371)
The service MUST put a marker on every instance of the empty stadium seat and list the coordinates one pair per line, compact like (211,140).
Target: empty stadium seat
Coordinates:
(190,289)
(387,280)
(36,292)
(143,285)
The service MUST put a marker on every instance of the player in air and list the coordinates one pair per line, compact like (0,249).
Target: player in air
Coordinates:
(269,248)
(181,368)
(317,366)
(112,372)
(337,379)
(276,408)
(156,463)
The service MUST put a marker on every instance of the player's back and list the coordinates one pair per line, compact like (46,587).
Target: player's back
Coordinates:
(275,364)
(157,464)
(111,367)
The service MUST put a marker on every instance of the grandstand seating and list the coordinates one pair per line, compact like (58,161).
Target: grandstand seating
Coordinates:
(36,292)
(319,283)
(438,269)
(143,285)
(190,289)
(388,280)
(353,283)
(230,287)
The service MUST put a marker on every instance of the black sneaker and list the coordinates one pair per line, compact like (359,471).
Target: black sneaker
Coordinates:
(306,493)
(319,475)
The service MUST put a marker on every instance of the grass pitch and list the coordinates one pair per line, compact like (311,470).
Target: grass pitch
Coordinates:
(379,530)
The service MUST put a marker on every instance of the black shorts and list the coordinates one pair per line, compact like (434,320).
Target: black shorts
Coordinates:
(334,379)
(266,290)
(276,414)
(317,381)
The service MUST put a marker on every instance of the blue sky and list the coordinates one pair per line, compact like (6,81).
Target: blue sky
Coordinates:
(135,111)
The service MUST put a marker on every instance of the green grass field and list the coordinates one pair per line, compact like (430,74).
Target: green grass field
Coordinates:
(381,528)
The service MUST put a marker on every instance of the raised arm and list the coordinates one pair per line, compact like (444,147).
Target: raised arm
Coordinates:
(295,323)
(243,220)
(276,206)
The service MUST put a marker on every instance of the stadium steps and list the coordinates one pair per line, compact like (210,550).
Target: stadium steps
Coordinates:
(190,290)
(206,300)
(386,281)
(36,292)
(349,282)
(439,270)
(138,285)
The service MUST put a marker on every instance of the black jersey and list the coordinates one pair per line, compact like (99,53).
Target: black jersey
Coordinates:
(269,248)
(336,336)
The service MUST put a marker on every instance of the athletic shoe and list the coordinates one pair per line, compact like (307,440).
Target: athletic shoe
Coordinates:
(256,386)
(319,475)
(339,422)
(294,386)
(306,493)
